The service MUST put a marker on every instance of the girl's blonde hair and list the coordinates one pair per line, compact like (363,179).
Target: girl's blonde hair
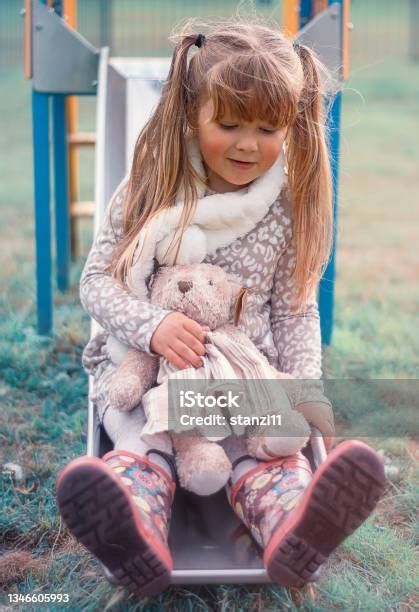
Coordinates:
(255,72)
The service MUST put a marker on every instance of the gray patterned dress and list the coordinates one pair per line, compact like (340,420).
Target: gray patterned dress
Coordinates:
(263,258)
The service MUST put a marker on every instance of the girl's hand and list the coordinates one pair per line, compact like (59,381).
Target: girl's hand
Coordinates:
(180,340)
(320,414)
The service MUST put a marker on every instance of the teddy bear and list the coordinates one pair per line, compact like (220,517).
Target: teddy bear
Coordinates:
(207,294)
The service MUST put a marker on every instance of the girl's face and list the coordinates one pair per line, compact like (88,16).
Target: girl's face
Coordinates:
(222,143)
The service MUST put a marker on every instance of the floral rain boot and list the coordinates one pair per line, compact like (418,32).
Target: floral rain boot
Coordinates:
(299,519)
(119,508)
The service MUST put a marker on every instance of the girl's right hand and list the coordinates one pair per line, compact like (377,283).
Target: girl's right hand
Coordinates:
(180,340)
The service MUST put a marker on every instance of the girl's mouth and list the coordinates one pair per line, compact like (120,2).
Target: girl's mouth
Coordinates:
(243,165)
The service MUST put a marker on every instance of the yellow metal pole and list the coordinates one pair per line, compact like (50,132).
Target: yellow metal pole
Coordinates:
(319,6)
(291,17)
(70,11)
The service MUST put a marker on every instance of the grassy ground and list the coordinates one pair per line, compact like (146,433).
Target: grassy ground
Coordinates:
(43,388)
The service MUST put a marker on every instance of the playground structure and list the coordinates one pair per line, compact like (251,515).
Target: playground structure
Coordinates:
(127,90)
(74,69)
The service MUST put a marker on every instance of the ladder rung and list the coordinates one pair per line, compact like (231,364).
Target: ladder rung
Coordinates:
(82,139)
(82,209)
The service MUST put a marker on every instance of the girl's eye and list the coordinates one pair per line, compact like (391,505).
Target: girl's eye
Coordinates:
(210,283)
(227,127)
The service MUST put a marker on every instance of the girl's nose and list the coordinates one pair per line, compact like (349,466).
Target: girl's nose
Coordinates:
(246,144)
(185,286)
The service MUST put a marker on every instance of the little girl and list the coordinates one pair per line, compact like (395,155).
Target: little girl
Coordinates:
(249,104)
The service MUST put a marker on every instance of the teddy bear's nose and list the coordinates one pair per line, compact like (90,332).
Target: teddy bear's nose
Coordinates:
(184,286)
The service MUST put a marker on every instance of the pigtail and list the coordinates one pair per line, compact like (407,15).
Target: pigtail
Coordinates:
(169,124)
(161,165)
(310,182)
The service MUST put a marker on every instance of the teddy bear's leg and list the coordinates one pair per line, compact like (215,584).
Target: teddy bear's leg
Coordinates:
(202,466)
(235,447)
(131,379)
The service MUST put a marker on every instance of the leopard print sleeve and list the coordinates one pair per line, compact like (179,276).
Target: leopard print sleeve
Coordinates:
(296,336)
(115,308)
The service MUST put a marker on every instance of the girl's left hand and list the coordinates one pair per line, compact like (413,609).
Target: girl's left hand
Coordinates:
(320,415)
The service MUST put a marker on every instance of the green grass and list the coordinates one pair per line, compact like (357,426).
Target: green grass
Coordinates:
(377,268)
(43,389)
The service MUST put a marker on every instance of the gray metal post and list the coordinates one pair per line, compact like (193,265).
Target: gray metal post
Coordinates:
(105,23)
(414,30)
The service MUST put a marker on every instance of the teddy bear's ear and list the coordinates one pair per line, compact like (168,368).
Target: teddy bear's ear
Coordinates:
(240,304)
(151,280)
(157,271)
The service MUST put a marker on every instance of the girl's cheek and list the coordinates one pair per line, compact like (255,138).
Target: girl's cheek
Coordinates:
(273,146)
(218,143)
(214,149)
(272,152)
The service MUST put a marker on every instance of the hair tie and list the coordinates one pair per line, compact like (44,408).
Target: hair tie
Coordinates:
(200,40)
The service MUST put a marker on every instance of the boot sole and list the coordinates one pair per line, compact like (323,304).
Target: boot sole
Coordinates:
(344,491)
(100,514)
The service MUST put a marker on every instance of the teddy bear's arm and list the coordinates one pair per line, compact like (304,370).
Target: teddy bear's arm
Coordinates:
(132,378)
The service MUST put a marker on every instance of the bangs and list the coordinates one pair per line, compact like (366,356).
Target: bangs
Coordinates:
(254,89)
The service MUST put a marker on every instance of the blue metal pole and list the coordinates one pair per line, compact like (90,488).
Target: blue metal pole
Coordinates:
(40,132)
(61,191)
(62,218)
(327,283)
(306,10)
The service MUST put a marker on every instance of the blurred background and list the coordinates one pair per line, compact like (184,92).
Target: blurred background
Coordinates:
(137,27)
(43,389)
